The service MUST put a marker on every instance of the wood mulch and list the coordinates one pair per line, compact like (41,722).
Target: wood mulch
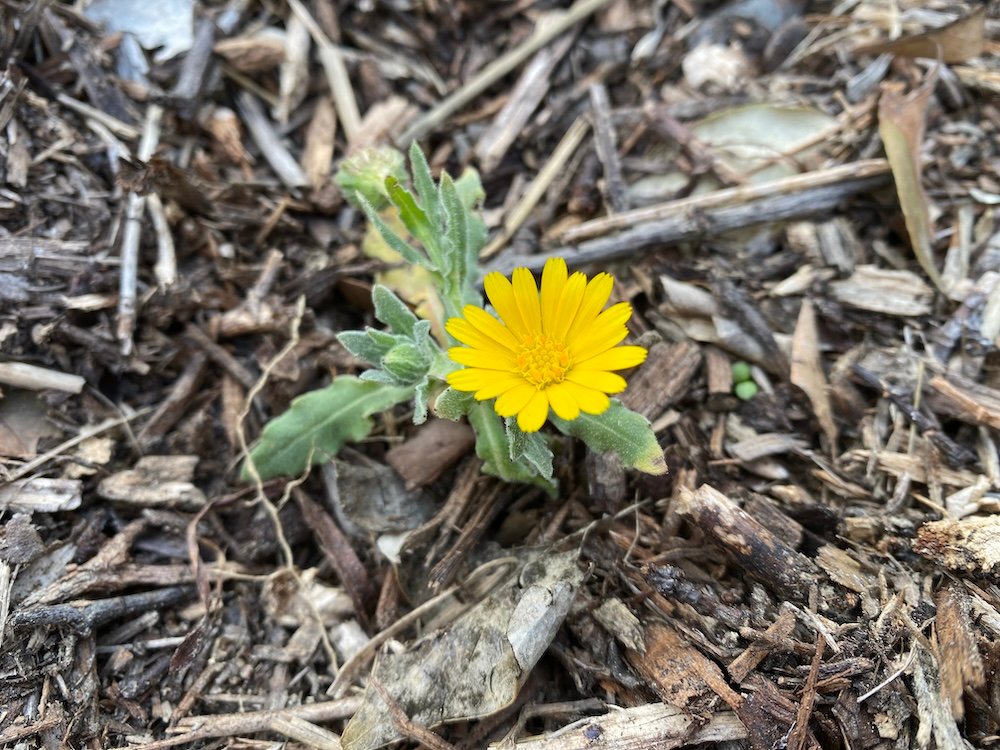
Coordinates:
(811,188)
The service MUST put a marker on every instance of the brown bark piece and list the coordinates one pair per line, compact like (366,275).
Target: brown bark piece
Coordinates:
(677,672)
(663,379)
(965,400)
(754,654)
(337,549)
(156,482)
(961,664)
(969,545)
(719,373)
(435,447)
(755,549)
(807,372)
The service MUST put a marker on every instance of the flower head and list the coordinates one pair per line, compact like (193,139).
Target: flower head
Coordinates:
(554,348)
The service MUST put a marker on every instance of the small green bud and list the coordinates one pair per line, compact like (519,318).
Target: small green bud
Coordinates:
(745,390)
(363,175)
(405,363)
(741,372)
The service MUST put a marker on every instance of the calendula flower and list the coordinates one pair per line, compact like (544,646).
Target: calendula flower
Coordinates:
(554,348)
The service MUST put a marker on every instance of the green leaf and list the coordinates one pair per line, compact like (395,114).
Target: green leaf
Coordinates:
(414,219)
(361,345)
(492,447)
(621,431)
(529,446)
(423,182)
(421,394)
(392,311)
(393,240)
(452,404)
(318,423)
(455,266)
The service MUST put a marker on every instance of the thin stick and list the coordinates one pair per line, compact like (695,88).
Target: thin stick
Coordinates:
(165,269)
(690,225)
(498,69)
(22,375)
(546,175)
(734,195)
(131,233)
(332,60)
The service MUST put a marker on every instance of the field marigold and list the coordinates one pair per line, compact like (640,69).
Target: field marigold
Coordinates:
(554,348)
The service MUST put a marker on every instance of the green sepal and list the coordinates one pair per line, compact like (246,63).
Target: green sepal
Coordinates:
(452,404)
(317,424)
(406,363)
(621,431)
(492,447)
(528,446)
(392,311)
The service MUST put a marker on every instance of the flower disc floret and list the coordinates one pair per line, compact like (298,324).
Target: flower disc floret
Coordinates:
(550,348)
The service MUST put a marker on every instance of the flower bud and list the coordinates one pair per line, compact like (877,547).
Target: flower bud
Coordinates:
(363,174)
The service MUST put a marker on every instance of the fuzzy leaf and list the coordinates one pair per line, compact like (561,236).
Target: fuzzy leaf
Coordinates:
(618,430)
(492,447)
(394,241)
(414,218)
(318,423)
(530,447)
(423,182)
(452,404)
(392,311)
(455,232)
(361,345)
(421,392)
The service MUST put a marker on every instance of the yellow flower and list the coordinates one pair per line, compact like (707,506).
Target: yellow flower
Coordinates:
(550,349)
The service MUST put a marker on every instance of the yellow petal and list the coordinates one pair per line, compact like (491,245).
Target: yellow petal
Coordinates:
(501,385)
(490,326)
(469,335)
(511,402)
(488,359)
(526,296)
(618,358)
(501,295)
(553,280)
(590,401)
(594,298)
(533,415)
(604,332)
(608,382)
(472,379)
(562,401)
(569,303)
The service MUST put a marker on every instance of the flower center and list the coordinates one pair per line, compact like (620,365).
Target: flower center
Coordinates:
(542,360)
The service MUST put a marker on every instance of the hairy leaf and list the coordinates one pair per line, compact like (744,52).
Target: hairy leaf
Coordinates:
(621,431)
(392,311)
(529,446)
(318,423)
(492,447)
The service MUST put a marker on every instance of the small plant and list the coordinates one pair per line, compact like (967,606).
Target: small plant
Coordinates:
(541,354)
